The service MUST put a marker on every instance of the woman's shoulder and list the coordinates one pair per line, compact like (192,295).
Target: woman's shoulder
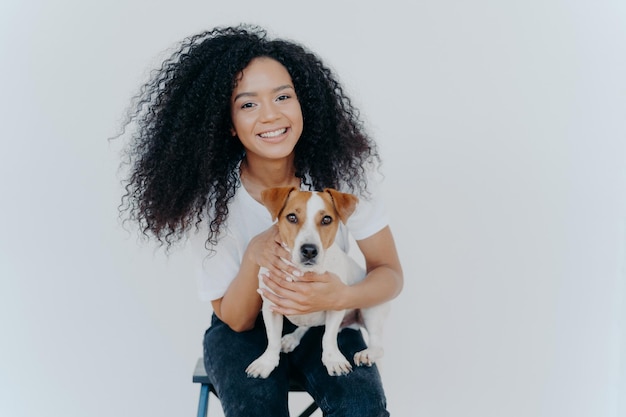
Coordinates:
(370,215)
(246,216)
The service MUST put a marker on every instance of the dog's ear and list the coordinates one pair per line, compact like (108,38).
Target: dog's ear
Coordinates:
(275,198)
(344,203)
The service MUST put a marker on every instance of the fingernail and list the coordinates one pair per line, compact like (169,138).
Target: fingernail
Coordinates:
(297,273)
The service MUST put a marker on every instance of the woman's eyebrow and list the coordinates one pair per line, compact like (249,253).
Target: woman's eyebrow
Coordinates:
(275,90)
(282,87)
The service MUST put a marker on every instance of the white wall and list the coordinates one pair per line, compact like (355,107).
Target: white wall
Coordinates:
(502,130)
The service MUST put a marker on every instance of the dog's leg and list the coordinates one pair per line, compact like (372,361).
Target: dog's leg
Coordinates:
(373,321)
(265,364)
(291,340)
(332,358)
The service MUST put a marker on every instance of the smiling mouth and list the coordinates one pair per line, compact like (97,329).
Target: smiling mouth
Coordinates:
(273,133)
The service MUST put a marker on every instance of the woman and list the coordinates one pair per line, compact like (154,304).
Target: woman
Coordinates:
(228,115)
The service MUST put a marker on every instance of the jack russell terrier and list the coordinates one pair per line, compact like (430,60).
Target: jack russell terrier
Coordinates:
(308,222)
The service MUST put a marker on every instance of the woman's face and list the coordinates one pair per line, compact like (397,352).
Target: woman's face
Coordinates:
(265,110)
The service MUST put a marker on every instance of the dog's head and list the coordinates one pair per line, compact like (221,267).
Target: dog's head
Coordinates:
(308,220)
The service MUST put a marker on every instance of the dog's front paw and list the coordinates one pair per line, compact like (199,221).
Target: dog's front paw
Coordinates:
(336,364)
(368,356)
(263,366)
(289,342)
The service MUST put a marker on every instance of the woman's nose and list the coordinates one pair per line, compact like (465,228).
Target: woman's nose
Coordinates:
(269,111)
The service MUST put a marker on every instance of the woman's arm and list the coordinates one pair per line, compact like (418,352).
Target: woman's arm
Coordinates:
(384,279)
(317,292)
(240,305)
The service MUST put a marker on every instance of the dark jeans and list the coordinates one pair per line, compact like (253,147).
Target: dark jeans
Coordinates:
(227,354)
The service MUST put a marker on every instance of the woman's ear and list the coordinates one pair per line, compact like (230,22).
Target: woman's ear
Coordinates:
(233,132)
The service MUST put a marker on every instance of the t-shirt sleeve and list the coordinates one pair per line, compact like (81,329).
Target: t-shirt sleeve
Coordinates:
(370,215)
(217,269)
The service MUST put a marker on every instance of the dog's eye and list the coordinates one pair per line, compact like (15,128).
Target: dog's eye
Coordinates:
(327,220)
(292,218)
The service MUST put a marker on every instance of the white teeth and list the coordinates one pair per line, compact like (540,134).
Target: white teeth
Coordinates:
(274,133)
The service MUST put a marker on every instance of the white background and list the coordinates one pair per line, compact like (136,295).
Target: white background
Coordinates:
(501,125)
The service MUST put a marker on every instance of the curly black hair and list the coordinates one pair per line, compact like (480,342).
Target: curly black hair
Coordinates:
(183,161)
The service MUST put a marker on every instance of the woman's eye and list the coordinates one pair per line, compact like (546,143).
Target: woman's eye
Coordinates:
(282,97)
(292,218)
(247,105)
(327,220)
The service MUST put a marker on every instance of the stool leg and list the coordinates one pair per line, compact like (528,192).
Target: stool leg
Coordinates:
(310,410)
(203,404)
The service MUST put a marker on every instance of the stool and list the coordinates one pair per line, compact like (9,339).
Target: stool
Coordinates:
(200,377)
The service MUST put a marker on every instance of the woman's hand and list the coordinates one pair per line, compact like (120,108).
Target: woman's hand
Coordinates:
(266,250)
(312,292)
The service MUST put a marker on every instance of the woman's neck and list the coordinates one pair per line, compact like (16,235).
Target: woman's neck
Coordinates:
(257,176)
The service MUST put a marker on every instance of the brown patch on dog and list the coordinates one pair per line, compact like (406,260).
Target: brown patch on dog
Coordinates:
(344,203)
(296,205)
(275,198)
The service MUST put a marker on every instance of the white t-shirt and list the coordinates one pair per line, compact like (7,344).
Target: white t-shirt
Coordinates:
(247,218)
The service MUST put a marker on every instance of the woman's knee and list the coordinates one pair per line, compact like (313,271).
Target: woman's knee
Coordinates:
(226,357)
(254,398)
(360,393)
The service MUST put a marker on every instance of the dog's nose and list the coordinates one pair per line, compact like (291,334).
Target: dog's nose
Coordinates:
(308,251)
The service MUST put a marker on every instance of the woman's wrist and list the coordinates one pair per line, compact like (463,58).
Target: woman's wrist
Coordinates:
(347,298)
